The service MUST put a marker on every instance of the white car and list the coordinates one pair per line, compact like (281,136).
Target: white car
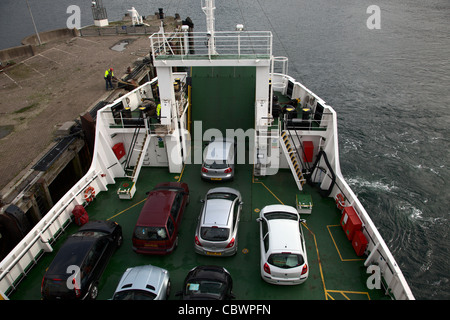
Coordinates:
(283,250)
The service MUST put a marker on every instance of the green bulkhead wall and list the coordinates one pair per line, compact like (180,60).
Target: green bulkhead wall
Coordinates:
(223,98)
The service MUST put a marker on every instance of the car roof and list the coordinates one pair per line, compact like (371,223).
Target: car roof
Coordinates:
(146,277)
(157,208)
(217,212)
(218,149)
(72,252)
(284,235)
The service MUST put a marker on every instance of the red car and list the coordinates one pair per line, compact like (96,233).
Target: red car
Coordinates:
(156,230)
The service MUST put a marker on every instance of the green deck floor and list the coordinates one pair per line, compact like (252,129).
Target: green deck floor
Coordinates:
(224,98)
(342,279)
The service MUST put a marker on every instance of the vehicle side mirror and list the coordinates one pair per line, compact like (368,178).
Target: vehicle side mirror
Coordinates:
(258,219)
(202,200)
(241,203)
(231,296)
(302,220)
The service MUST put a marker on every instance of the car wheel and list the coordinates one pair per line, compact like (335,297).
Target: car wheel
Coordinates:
(93,292)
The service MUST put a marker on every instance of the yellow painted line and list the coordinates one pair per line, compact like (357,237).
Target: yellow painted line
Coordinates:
(345,292)
(312,233)
(336,246)
(134,205)
(326,291)
(181,175)
(179,179)
(253,181)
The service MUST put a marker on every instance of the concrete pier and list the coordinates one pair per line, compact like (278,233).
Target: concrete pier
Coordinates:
(44,90)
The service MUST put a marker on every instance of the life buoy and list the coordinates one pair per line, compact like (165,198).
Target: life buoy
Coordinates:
(340,202)
(89,194)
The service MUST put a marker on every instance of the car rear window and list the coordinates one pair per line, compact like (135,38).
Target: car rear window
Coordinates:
(286,260)
(92,234)
(214,233)
(221,195)
(55,287)
(219,164)
(151,233)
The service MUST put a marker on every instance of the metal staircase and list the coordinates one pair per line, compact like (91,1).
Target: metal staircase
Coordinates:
(128,187)
(294,159)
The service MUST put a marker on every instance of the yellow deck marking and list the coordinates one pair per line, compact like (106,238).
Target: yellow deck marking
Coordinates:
(118,214)
(326,291)
(335,245)
(134,205)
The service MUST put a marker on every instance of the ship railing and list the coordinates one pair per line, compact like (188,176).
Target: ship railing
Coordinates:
(16,265)
(226,45)
(152,123)
(379,257)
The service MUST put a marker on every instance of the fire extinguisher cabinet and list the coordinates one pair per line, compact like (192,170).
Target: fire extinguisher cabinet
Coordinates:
(350,222)
(359,243)
(119,150)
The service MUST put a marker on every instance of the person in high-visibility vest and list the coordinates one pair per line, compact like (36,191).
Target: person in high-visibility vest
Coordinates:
(158,111)
(109,74)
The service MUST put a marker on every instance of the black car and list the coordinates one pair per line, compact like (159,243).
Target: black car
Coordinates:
(77,267)
(207,283)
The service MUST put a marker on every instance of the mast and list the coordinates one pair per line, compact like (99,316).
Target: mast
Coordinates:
(208,9)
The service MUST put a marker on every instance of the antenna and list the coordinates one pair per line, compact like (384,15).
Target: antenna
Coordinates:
(208,9)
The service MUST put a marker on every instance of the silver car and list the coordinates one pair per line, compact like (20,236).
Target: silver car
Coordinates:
(217,228)
(143,283)
(219,160)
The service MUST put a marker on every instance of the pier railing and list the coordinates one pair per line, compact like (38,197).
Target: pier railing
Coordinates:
(223,45)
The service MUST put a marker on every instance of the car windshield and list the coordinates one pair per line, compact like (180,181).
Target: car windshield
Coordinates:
(205,288)
(281,215)
(55,286)
(217,164)
(134,295)
(151,233)
(214,233)
(286,260)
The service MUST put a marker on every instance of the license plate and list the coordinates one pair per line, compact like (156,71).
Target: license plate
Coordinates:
(150,245)
(216,179)
(213,253)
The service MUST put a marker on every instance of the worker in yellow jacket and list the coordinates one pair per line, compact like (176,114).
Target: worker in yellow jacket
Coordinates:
(109,74)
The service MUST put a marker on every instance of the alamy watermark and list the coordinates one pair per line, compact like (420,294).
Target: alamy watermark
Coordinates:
(374,21)
(74,20)
(374,280)
(73,281)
